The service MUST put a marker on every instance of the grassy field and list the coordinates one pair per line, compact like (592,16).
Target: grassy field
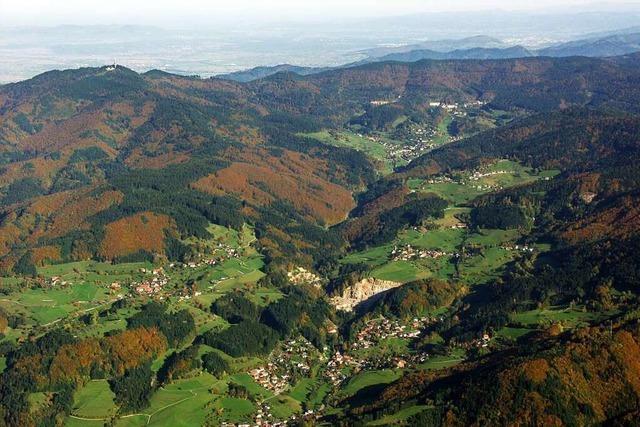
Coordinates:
(513,333)
(444,239)
(391,346)
(479,268)
(85,290)
(443,136)
(489,258)
(375,256)
(232,409)
(399,271)
(399,417)
(45,306)
(76,422)
(569,317)
(38,400)
(369,378)
(351,140)
(182,403)
(464,187)
(445,361)
(248,382)
(283,406)
(310,391)
(93,272)
(94,400)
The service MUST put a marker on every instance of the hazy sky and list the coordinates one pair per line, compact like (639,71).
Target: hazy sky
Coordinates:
(167,12)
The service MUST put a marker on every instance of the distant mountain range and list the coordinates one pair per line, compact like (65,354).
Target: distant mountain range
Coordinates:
(447,45)
(477,47)
(256,73)
(617,44)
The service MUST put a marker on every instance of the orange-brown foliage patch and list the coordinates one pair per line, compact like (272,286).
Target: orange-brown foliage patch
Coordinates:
(40,168)
(293,177)
(44,254)
(621,219)
(142,231)
(4,323)
(627,351)
(62,213)
(130,348)
(536,370)
(71,133)
(373,209)
(242,133)
(72,362)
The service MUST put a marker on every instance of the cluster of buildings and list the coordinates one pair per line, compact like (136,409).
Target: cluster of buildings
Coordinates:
(476,175)
(57,281)
(336,366)
(484,341)
(291,361)
(341,365)
(264,418)
(414,148)
(153,285)
(377,330)
(222,253)
(455,106)
(521,248)
(409,253)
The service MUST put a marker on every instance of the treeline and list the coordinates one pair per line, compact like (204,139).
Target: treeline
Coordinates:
(379,118)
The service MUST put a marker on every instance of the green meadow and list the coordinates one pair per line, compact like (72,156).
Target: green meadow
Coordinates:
(399,417)
(94,400)
(351,140)
(369,378)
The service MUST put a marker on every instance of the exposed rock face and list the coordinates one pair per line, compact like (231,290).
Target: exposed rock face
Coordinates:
(299,276)
(363,290)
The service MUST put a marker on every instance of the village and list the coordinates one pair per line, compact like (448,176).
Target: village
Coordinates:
(357,358)
(286,365)
(221,253)
(148,287)
(409,253)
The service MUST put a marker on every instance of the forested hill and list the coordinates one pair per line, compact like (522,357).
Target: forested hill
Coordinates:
(192,151)
(577,139)
(533,84)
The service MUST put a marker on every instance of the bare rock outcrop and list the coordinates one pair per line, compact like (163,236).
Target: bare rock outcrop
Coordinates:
(362,291)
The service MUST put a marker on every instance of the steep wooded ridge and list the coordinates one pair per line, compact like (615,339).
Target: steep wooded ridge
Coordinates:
(108,164)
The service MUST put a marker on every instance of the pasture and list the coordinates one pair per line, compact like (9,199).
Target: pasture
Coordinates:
(369,378)
(436,362)
(347,139)
(398,417)
(94,400)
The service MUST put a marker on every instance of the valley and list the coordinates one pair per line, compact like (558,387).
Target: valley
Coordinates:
(422,243)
